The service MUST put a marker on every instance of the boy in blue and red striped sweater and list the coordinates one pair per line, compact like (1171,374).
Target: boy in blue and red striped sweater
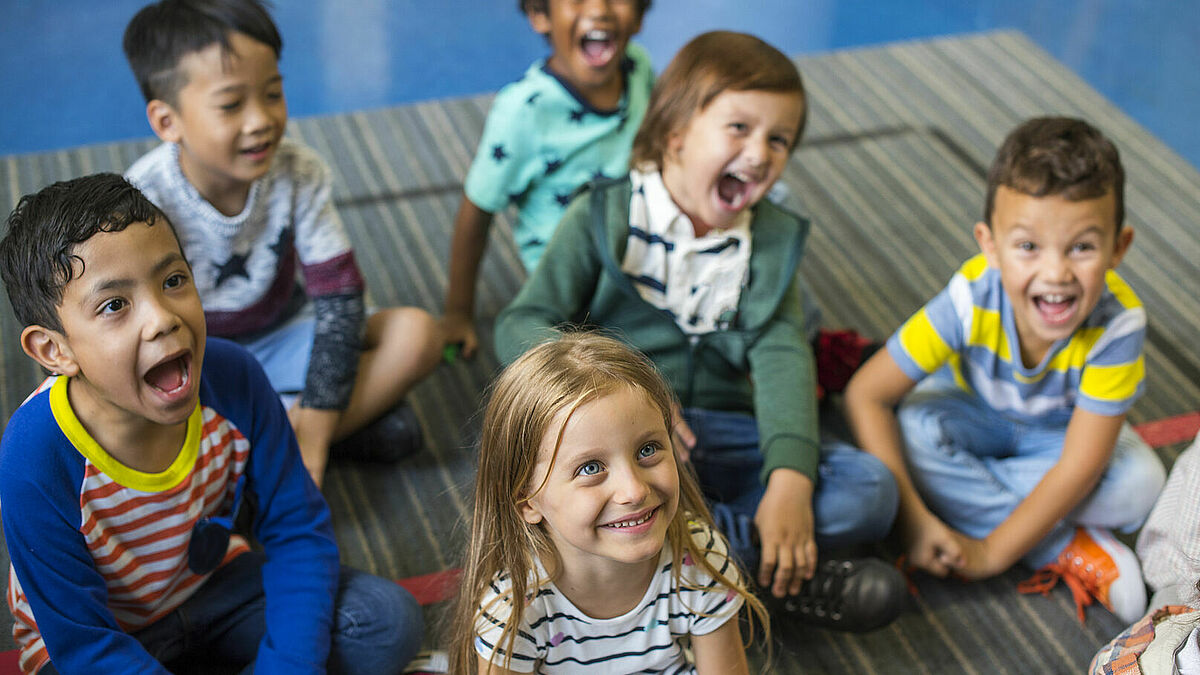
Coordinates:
(122,476)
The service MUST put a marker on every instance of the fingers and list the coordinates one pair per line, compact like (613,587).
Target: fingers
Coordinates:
(682,436)
(769,566)
(470,342)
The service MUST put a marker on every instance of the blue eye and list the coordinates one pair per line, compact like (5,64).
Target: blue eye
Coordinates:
(589,468)
(648,450)
(1026,246)
(1083,247)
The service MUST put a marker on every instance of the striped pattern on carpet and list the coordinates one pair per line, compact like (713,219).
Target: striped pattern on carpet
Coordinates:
(891,171)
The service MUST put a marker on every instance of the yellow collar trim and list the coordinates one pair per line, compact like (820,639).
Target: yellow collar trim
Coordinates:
(87,446)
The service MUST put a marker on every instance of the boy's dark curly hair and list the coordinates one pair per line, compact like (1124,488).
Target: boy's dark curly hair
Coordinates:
(543,6)
(161,34)
(1047,156)
(37,258)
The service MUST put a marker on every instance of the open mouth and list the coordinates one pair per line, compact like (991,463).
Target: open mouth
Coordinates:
(1055,307)
(598,47)
(637,520)
(257,151)
(733,189)
(171,376)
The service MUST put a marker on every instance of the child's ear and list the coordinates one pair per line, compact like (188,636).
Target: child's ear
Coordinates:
(50,349)
(540,21)
(987,245)
(163,120)
(1121,246)
(529,512)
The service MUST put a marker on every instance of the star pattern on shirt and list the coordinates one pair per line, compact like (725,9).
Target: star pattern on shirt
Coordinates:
(533,98)
(281,244)
(234,267)
(577,115)
(552,165)
(621,124)
(598,176)
(498,152)
(562,199)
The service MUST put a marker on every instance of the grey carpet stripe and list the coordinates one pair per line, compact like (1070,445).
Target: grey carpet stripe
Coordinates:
(891,171)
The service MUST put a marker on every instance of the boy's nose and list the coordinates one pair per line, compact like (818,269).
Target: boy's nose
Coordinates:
(1057,270)
(597,7)
(756,151)
(160,320)
(258,118)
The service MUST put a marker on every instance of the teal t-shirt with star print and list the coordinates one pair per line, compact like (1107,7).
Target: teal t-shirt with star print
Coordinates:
(542,141)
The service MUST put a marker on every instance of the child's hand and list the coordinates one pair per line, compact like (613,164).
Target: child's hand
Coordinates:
(934,546)
(785,527)
(681,434)
(979,559)
(459,329)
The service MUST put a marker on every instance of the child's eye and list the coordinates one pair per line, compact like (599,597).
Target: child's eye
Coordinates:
(274,95)
(739,127)
(1083,247)
(648,450)
(175,280)
(231,106)
(589,468)
(113,306)
(781,142)
(1027,246)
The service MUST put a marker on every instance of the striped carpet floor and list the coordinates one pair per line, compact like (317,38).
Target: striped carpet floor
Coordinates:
(891,170)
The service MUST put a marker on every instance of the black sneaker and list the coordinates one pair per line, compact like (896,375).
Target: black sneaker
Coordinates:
(856,595)
(390,438)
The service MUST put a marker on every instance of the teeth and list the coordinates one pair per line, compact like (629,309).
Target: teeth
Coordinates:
(633,523)
(596,35)
(1048,297)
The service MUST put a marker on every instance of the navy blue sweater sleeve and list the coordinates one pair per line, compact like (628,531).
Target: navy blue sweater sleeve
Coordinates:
(40,476)
(292,520)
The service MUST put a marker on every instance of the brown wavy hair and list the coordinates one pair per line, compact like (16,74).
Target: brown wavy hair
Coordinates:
(709,64)
(561,374)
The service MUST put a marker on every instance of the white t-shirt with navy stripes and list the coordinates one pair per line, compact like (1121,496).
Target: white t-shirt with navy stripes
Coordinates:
(556,637)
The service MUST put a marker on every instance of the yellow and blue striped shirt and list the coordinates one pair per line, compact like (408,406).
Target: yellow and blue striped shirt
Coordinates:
(969,329)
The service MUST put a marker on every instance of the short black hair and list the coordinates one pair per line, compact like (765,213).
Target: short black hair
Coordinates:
(1048,156)
(161,34)
(543,6)
(37,258)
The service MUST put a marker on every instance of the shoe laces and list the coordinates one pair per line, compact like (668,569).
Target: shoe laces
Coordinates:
(822,595)
(1082,579)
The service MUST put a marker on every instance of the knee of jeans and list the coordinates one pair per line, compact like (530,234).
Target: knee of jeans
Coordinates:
(377,621)
(920,427)
(1140,483)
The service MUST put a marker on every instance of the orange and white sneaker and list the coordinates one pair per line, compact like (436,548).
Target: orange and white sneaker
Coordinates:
(1095,566)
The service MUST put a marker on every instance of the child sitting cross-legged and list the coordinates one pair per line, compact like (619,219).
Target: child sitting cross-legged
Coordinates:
(252,209)
(1015,447)
(686,262)
(123,475)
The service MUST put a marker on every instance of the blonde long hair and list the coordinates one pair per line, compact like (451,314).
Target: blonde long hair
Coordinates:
(561,374)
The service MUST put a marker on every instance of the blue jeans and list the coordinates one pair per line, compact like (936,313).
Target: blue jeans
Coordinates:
(973,467)
(377,624)
(854,502)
